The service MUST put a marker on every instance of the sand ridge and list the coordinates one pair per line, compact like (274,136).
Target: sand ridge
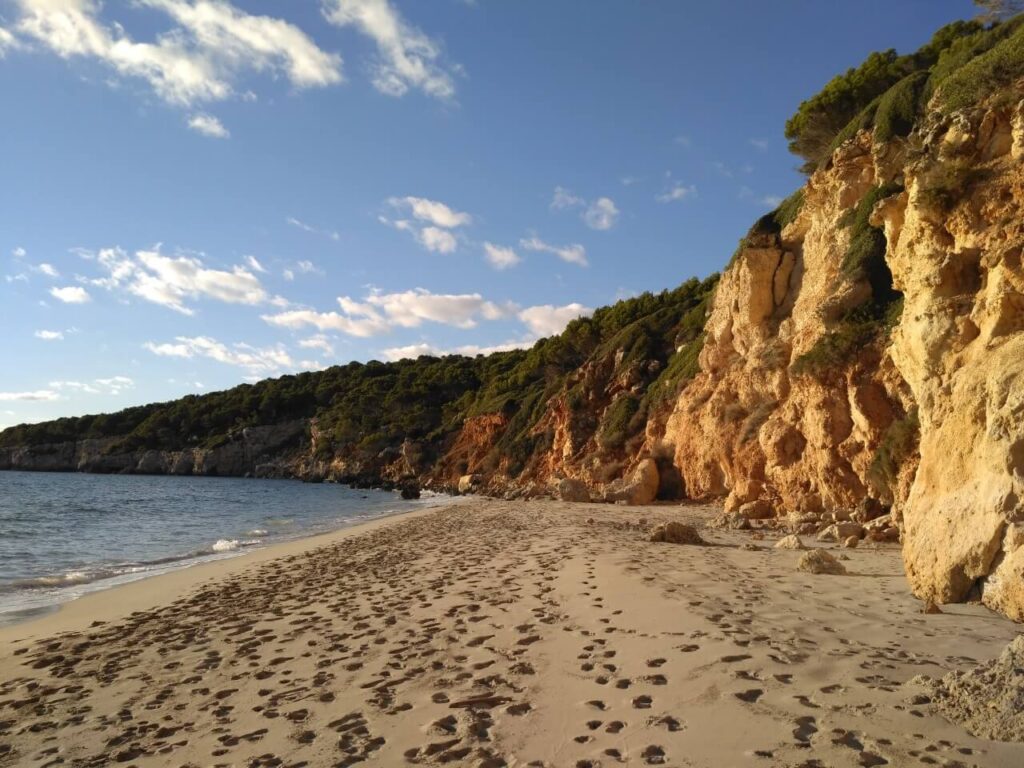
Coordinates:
(509,634)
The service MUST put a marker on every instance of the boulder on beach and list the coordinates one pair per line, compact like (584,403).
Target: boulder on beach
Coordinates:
(677,533)
(789,542)
(819,561)
(640,488)
(988,700)
(569,489)
(468,483)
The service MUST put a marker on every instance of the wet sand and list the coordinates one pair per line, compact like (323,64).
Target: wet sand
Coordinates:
(499,633)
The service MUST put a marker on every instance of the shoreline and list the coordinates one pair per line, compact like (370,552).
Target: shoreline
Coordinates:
(160,588)
(502,634)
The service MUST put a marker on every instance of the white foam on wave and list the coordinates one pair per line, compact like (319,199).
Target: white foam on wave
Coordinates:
(225,545)
(257,532)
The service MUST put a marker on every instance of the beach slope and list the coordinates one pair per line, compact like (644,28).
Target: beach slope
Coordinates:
(499,633)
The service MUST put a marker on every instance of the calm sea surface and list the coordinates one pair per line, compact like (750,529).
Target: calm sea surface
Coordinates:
(63,535)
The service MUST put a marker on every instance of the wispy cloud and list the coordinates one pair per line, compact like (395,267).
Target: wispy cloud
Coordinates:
(41,395)
(406,57)
(330,233)
(761,144)
(197,61)
(171,281)
(500,257)
(260,360)
(50,335)
(208,125)
(378,313)
(71,294)
(432,224)
(318,341)
(113,385)
(677,191)
(547,320)
(600,214)
(412,351)
(254,264)
(573,254)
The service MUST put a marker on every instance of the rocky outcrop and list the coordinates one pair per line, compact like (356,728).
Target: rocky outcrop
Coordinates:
(752,428)
(956,237)
(760,425)
(255,451)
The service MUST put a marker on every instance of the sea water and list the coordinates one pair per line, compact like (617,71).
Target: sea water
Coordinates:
(64,535)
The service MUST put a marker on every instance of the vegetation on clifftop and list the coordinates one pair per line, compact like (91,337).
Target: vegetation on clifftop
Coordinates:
(963,62)
(361,409)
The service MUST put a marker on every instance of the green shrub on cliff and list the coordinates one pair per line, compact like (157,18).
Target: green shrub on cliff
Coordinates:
(963,62)
(898,443)
(363,408)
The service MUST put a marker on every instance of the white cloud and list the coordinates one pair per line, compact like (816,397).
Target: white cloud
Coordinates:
(407,58)
(46,269)
(50,335)
(437,217)
(7,42)
(319,341)
(115,385)
(677,191)
(19,252)
(313,230)
(328,321)
(500,257)
(76,386)
(437,240)
(71,294)
(432,212)
(265,360)
(573,254)
(412,351)
(254,264)
(563,198)
(169,281)
(44,395)
(288,275)
(548,320)
(761,144)
(380,313)
(682,141)
(772,201)
(601,214)
(196,60)
(243,41)
(208,125)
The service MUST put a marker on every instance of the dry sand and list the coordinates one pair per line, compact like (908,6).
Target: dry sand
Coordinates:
(494,634)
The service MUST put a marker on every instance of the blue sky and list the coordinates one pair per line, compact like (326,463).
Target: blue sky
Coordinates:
(198,193)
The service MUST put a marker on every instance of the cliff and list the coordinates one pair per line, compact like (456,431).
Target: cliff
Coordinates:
(861,357)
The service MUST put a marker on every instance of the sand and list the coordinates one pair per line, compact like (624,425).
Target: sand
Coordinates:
(499,633)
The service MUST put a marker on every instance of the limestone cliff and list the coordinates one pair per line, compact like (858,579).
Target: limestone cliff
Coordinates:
(762,422)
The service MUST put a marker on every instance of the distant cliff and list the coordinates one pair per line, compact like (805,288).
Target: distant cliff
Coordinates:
(864,347)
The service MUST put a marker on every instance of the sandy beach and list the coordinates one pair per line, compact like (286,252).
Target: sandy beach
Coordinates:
(499,634)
